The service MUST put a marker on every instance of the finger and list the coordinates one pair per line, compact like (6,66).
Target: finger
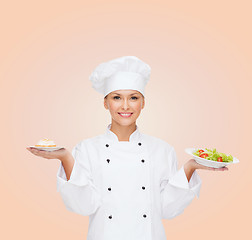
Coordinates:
(29,149)
(222,169)
(33,150)
(37,152)
(212,168)
(208,168)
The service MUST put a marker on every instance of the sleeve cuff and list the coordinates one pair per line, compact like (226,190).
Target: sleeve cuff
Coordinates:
(75,179)
(179,180)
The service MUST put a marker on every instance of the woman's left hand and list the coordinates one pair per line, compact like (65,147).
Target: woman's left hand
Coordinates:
(192,165)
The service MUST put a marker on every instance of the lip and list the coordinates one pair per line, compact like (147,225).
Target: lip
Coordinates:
(125,116)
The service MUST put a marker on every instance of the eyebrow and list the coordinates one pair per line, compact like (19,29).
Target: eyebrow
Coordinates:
(130,94)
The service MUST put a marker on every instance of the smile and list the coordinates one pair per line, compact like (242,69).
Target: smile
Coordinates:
(125,115)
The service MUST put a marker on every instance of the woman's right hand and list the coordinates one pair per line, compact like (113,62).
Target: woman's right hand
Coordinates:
(60,154)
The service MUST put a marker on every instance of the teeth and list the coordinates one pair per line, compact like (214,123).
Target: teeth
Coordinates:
(123,114)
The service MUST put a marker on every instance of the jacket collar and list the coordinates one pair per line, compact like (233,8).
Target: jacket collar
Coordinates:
(135,136)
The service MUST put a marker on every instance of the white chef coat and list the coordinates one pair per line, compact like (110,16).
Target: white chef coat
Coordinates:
(126,187)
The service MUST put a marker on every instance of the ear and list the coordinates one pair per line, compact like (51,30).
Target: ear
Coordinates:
(105,103)
(143,104)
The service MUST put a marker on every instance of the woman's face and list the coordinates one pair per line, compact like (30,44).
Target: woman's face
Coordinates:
(124,101)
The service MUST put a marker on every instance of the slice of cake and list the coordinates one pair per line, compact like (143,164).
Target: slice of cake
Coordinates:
(45,143)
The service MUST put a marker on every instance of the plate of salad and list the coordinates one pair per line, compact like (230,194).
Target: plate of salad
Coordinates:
(211,157)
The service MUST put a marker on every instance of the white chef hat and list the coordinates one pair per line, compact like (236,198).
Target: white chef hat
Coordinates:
(128,72)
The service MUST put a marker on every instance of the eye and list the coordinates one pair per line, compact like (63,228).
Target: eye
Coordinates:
(117,97)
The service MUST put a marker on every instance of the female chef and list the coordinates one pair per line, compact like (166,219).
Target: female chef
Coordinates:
(124,180)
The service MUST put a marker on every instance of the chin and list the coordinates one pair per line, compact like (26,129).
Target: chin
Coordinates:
(125,122)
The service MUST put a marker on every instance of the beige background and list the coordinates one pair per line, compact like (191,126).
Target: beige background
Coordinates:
(199,95)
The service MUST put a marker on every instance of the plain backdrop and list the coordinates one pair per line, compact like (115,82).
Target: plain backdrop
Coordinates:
(199,95)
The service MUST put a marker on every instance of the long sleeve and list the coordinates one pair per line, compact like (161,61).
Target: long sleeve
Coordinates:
(176,192)
(79,194)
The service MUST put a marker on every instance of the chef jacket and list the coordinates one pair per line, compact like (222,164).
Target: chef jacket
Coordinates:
(126,187)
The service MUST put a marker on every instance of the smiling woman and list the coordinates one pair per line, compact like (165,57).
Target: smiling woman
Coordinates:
(124,180)
(125,107)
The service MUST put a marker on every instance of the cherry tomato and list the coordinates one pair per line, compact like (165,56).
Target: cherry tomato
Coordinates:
(203,155)
(219,159)
(200,151)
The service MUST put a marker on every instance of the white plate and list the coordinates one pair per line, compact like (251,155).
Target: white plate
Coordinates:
(206,162)
(49,149)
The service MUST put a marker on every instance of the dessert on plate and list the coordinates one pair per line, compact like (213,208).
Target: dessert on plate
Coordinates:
(45,143)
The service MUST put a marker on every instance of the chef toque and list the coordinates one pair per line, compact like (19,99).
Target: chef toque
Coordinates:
(128,72)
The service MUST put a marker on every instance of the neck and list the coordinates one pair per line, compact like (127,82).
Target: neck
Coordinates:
(123,132)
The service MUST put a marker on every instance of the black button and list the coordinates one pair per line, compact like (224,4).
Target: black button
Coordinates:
(142,160)
(110,216)
(143,188)
(109,189)
(107,145)
(139,144)
(144,216)
(108,160)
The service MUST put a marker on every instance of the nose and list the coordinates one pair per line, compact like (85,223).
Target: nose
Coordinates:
(125,104)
